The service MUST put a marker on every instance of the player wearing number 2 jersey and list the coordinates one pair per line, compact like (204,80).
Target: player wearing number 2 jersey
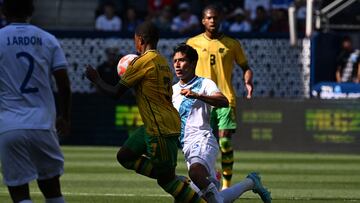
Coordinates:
(29,148)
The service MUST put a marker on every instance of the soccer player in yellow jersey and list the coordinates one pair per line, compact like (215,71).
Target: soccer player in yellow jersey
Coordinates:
(152,149)
(217,54)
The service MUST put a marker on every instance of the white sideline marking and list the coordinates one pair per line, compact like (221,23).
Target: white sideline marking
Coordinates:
(102,194)
(115,195)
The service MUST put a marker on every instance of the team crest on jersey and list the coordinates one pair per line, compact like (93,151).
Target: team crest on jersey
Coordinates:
(221,50)
(195,146)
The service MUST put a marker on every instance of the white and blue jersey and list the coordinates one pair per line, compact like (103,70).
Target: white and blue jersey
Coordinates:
(198,143)
(194,113)
(28,56)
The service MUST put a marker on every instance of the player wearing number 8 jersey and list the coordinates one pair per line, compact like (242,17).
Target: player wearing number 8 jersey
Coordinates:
(217,54)
(29,147)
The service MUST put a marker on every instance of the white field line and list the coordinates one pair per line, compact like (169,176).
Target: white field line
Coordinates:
(102,194)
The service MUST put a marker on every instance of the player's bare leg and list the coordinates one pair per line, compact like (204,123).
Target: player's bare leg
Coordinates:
(227,156)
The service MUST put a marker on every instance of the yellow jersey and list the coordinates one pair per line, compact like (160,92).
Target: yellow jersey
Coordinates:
(216,61)
(151,77)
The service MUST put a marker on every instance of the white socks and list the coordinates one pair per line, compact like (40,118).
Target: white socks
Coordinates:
(26,201)
(212,195)
(235,191)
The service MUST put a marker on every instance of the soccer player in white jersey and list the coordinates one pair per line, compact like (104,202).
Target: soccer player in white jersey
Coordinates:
(194,97)
(29,148)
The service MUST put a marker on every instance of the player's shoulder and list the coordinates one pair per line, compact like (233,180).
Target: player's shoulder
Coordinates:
(41,32)
(230,39)
(176,85)
(46,33)
(207,80)
(136,59)
(195,38)
(15,28)
(147,56)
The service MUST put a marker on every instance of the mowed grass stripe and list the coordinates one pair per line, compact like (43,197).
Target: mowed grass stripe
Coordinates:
(92,174)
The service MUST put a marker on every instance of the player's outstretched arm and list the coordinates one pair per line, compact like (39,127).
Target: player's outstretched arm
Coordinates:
(217,99)
(94,77)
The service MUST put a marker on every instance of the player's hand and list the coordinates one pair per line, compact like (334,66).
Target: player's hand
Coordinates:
(188,93)
(92,74)
(249,88)
(62,126)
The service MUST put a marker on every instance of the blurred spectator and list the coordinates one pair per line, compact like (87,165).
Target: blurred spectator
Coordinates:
(251,6)
(164,20)
(131,20)
(108,21)
(155,7)
(234,4)
(261,22)
(185,22)
(140,6)
(118,4)
(108,69)
(279,20)
(197,6)
(2,17)
(348,62)
(240,23)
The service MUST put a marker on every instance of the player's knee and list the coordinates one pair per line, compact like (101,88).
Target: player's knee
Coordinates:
(165,178)
(198,173)
(121,158)
(225,143)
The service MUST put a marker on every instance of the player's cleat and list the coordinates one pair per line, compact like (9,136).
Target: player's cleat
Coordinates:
(259,188)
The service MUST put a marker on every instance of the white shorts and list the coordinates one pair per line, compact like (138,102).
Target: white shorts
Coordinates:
(27,155)
(203,151)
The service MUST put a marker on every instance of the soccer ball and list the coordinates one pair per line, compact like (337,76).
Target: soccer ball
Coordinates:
(124,63)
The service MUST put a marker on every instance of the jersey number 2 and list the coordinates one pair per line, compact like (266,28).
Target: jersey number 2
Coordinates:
(23,88)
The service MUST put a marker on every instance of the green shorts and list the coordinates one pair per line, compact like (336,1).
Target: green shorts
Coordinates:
(223,118)
(161,150)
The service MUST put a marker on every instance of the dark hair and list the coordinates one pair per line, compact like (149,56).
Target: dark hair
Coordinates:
(109,3)
(148,31)
(190,52)
(261,8)
(214,7)
(18,8)
(346,38)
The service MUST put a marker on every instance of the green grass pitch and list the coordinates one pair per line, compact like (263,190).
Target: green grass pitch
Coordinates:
(92,175)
